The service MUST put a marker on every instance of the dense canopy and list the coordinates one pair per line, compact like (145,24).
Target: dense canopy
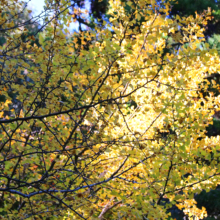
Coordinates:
(109,122)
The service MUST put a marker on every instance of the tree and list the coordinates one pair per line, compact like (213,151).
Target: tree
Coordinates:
(108,129)
(186,8)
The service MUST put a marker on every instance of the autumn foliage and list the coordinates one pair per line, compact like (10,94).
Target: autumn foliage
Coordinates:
(105,123)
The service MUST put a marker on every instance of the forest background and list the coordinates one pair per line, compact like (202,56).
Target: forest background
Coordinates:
(118,120)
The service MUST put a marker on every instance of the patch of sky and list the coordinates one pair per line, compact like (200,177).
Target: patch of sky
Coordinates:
(39,13)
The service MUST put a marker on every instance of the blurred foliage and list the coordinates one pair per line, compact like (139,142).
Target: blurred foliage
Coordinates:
(189,7)
(214,42)
(211,201)
(214,130)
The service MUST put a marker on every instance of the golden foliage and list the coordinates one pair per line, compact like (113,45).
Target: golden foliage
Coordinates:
(107,122)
